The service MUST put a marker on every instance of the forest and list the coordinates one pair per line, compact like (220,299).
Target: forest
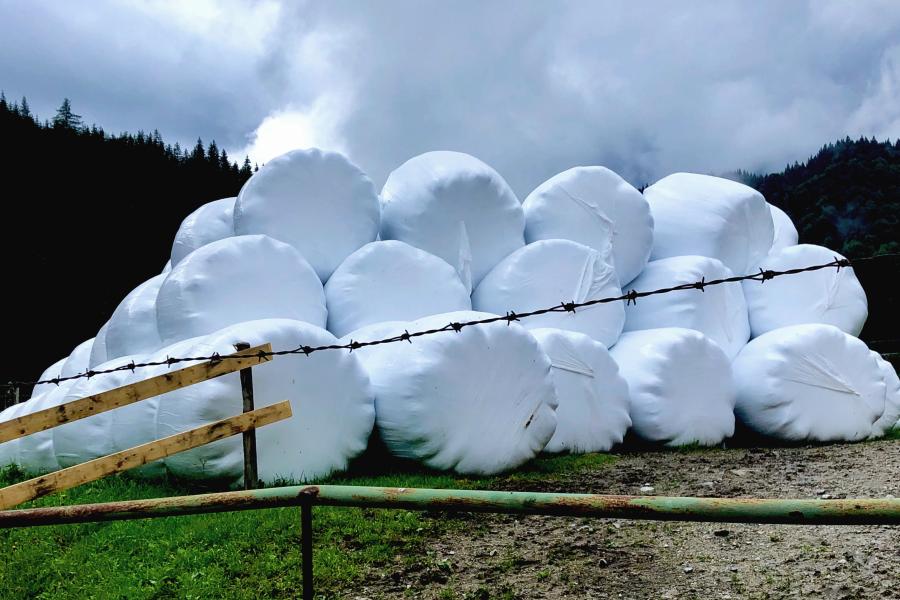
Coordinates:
(92,214)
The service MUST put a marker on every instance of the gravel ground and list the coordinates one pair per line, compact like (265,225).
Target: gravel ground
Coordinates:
(547,557)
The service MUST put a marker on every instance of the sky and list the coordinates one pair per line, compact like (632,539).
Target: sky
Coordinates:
(530,87)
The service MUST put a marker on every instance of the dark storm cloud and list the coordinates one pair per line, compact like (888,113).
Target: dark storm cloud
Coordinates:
(530,87)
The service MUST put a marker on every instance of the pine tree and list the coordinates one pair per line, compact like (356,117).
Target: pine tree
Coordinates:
(65,118)
(23,108)
(3,106)
(212,155)
(246,169)
(224,163)
(198,153)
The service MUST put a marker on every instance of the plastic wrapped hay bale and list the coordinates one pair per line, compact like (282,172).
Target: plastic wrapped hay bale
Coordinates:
(77,362)
(890,418)
(51,372)
(212,221)
(680,386)
(809,382)
(595,207)
(547,273)
(234,280)
(318,202)
(132,327)
(9,451)
(36,452)
(479,401)
(710,216)
(89,438)
(719,311)
(98,349)
(785,231)
(390,280)
(333,408)
(831,295)
(592,415)
(455,207)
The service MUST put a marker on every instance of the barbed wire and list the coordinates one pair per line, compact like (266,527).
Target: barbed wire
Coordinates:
(631,297)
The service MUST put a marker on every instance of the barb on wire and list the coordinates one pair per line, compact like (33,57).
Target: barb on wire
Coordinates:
(630,297)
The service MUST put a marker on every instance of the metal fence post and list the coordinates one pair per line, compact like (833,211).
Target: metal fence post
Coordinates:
(306,547)
(251,478)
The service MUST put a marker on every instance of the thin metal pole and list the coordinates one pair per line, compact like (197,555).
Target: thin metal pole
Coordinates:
(251,478)
(307,549)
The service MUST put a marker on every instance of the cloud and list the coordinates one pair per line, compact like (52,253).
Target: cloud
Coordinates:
(530,87)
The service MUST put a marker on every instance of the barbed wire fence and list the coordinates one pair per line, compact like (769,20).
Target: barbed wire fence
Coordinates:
(12,388)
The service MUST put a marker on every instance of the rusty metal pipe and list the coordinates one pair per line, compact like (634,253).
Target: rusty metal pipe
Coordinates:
(660,508)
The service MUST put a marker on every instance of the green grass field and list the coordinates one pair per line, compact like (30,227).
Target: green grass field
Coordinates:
(251,554)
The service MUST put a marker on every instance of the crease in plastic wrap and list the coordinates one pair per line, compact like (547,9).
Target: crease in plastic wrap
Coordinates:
(477,401)
(809,382)
(595,207)
(547,273)
(680,386)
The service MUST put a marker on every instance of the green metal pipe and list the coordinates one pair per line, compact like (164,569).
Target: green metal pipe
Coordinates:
(660,508)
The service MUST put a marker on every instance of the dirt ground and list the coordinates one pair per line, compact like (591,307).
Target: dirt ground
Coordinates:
(551,557)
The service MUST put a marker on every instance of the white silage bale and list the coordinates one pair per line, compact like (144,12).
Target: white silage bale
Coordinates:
(479,401)
(890,418)
(592,415)
(318,202)
(390,280)
(831,296)
(99,353)
(710,216)
(785,231)
(212,221)
(595,207)
(36,452)
(718,311)
(680,386)
(78,359)
(51,372)
(455,207)
(132,327)
(329,392)
(547,273)
(238,279)
(809,382)
(9,451)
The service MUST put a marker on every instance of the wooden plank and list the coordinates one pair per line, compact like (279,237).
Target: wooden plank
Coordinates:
(140,455)
(127,394)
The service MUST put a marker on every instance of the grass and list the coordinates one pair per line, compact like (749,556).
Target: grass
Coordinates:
(252,554)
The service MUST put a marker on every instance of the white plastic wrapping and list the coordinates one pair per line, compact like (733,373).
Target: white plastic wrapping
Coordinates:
(333,408)
(890,418)
(77,362)
(98,349)
(9,451)
(829,296)
(710,216)
(456,207)
(809,382)
(595,207)
(132,327)
(719,311)
(479,401)
(592,415)
(36,451)
(680,386)
(212,221)
(317,201)
(547,273)
(234,280)
(50,372)
(390,280)
(785,231)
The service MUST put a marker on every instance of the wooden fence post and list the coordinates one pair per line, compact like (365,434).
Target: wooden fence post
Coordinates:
(251,477)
